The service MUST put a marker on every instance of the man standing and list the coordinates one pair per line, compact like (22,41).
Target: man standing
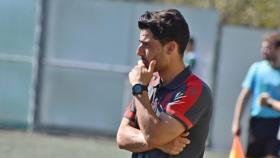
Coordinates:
(165,108)
(263,76)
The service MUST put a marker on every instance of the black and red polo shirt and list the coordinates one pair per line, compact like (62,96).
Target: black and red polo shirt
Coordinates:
(187,99)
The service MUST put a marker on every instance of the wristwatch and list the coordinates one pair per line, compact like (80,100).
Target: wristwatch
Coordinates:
(269,103)
(138,89)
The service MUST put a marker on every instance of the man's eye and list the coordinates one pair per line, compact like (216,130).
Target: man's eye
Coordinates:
(145,44)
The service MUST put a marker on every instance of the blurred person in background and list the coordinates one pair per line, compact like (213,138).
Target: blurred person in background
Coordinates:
(190,56)
(262,80)
(169,101)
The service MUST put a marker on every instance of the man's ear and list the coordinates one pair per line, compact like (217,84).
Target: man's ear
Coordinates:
(171,47)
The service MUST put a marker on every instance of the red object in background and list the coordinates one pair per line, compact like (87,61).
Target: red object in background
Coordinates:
(236,149)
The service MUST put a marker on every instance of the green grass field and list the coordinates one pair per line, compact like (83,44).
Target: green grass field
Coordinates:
(17,144)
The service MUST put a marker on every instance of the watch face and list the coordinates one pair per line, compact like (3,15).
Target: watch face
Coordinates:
(137,89)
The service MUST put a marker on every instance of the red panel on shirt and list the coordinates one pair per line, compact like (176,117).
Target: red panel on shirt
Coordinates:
(186,102)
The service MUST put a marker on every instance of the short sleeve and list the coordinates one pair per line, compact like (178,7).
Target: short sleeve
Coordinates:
(130,111)
(249,80)
(185,105)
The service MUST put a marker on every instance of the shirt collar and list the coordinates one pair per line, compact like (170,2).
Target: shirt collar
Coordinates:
(176,82)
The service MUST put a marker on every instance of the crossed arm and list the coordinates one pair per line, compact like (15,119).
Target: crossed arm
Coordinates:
(163,132)
(155,131)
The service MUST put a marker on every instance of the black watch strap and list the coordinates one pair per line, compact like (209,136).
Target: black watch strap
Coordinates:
(138,89)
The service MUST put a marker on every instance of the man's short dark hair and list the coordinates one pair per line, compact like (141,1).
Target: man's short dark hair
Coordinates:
(166,25)
(274,38)
(277,41)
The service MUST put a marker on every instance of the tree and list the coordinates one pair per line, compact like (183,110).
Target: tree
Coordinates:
(256,13)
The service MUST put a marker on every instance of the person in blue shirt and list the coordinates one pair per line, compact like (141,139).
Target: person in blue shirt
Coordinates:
(262,83)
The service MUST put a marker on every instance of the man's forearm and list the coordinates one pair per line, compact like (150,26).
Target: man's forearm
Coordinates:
(132,139)
(241,104)
(147,118)
(275,104)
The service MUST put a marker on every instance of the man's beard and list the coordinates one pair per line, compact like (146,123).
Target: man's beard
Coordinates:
(146,62)
(269,58)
